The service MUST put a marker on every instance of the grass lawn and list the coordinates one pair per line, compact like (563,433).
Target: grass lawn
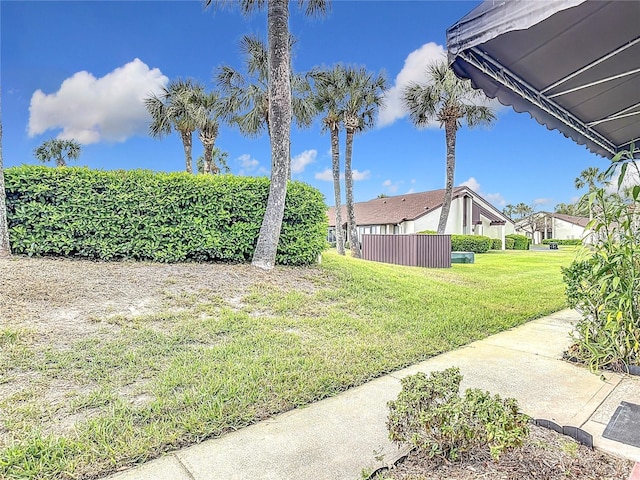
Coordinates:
(87,396)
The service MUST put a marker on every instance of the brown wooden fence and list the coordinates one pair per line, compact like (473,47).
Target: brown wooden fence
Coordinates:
(432,251)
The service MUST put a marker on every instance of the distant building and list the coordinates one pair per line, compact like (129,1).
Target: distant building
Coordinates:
(470,214)
(545,225)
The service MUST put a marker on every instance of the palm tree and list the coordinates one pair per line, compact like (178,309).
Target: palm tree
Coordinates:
(206,120)
(218,162)
(364,92)
(590,177)
(330,92)
(279,91)
(446,99)
(247,101)
(58,150)
(509,211)
(5,247)
(175,108)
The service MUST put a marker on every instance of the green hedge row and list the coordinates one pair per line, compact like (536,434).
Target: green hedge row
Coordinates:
(509,243)
(520,242)
(166,217)
(470,243)
(572,241)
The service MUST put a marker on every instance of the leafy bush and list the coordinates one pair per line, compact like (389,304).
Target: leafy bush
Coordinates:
(428,232)
(496,244)
(430,415)
(166,217)
(521,242)
(568,241)
(470,243)
(604,284)
(509,243)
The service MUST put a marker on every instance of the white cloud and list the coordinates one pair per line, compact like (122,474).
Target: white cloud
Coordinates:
(414,70)
(327,176)
(357,175)
(391,187)
(496,199)
(247,162)
(250,166)
(90,109)
(299,162)
(542,201)
(472,183)
(411,190)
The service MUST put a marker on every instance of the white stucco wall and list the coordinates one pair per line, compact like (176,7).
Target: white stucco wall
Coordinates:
(564,230)
(426,222)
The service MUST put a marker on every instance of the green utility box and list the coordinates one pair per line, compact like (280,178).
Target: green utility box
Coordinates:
(462,257)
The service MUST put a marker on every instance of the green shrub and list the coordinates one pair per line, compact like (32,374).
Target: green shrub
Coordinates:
(521,242)
(496,244)
(603,284)
(166,217)
(509,243)
(470,243)
(428,232)
(568,241)
(430,415)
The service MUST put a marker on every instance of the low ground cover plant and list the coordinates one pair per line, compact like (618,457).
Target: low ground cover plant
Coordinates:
(430,415)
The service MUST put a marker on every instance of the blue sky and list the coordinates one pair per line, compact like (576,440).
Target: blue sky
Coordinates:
(80,68)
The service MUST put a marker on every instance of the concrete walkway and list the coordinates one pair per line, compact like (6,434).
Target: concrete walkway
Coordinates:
(336,438)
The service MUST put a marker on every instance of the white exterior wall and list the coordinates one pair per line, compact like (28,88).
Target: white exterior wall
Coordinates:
(427,222)
(430,220)
(564,230)
(454,222)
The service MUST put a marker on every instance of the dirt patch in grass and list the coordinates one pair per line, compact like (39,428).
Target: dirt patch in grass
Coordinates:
(546,455)
(59,301)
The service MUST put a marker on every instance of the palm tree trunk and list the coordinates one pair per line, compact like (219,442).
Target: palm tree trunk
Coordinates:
(280,131)
(5,247)
(450,129)
(187,143)
(354,244)
(207,154)
(335,164)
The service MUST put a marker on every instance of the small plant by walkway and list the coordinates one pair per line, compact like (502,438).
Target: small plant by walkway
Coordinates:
(106,365)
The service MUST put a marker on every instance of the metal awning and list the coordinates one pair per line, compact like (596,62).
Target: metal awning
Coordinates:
(574,65)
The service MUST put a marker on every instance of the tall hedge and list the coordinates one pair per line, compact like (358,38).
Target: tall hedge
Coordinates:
(166,217)
(521,242)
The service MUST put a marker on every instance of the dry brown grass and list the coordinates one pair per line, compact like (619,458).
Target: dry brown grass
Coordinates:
(62,300)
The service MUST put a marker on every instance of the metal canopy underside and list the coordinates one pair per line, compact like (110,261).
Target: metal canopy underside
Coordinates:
(574,65)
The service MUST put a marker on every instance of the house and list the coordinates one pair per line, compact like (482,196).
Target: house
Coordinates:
(543,225)
(470,214)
